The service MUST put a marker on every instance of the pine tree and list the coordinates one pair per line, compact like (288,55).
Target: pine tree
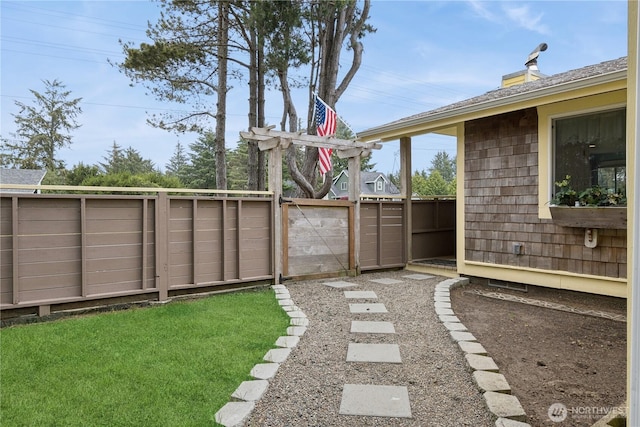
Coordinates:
(43,129)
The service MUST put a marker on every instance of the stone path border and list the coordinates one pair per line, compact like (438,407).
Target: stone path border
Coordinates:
(243,399)
(494,386)
(548,304)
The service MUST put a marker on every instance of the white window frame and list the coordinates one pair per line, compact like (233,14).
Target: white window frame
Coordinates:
(379,185)
(343,185)
(567,108)
(552,151)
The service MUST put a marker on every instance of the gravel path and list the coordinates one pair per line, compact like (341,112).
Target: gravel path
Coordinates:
(307,388)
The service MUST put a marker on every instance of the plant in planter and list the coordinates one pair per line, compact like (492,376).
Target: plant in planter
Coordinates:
(594,207)
(565,196)
(597,196)
(592,196)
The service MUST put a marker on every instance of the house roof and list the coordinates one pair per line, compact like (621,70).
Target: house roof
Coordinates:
(592,75)
(22,177)
(365,178)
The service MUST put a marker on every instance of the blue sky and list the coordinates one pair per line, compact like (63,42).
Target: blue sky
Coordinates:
(425,54)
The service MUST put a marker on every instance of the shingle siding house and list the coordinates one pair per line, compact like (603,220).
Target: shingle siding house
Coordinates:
(371,184)
(511,151)
(21,177)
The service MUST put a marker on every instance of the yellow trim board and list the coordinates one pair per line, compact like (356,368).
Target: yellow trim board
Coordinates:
(550,279)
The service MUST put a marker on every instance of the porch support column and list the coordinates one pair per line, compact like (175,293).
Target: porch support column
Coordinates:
(275,186)
(354,196)
(406,191)
(633,233)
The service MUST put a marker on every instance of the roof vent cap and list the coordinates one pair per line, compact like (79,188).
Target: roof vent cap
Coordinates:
(532,60)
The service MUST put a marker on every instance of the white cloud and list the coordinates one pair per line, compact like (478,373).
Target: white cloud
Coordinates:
(525,18)
(481,10)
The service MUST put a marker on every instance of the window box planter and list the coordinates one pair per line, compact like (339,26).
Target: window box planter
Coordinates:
(611,217)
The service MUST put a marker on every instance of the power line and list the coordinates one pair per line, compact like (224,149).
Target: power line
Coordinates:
(58,46)
(55,56)
(52,12)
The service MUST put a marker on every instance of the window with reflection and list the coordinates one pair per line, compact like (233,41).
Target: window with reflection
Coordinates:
(591,148)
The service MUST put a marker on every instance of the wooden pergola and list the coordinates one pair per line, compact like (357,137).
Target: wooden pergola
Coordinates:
(275,142)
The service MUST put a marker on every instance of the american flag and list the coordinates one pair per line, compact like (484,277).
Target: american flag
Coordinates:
(326,120)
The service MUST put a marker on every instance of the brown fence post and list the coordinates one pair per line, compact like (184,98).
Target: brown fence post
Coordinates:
(354,196)
(407,191)
(275,185)
(162,246)
(15,245)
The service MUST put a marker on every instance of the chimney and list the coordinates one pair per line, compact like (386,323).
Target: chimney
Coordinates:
(532,72)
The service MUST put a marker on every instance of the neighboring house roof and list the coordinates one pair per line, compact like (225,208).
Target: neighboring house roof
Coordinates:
(592,75)
(366,178)
(21,176)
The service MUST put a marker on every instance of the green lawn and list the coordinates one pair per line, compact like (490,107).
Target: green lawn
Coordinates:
(172,365)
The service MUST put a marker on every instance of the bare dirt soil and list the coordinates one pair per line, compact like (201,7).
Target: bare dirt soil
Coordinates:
(550,356)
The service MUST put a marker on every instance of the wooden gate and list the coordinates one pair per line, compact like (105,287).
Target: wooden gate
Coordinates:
(318,237)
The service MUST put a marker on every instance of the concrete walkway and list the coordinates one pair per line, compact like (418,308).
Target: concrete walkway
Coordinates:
(384,399)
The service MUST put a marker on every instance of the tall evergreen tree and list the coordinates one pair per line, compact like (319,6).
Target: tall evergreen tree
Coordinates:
(201,173)
(178,163)
(238,167)
(445,165)
(43,128)
(436,185)
(129,161)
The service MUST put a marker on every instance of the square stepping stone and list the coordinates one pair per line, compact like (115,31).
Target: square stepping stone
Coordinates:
(444,311)
(481,363)
(234,413)
(368,308)
(375,401)
(372,327)
(296,314)
(386,281)
(455,326)
(462,336)
(299,321)
(264,371)
(376,353)
(472,347)
(491,381)
(277,355)
(339,284)
(449,319)
(250,391)
(288,341)
(418,276)
(297,331)
(360,294)
(505,405)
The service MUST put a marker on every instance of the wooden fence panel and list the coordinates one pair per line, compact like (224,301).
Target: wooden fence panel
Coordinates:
(181,235)
(209,241)
(40,229)
(318,237)
(58,249)
(68,248)
(382,235)
(6,251)
(231,237)
(256,255)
